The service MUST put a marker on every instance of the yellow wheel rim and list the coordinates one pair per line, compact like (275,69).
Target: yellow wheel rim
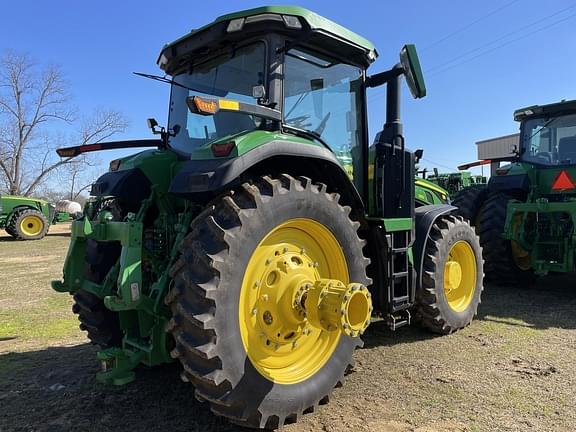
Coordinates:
(460,276)
(31,225)
(279,341)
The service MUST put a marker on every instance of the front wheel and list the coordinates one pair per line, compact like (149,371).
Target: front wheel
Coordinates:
(452,276)
(269,300)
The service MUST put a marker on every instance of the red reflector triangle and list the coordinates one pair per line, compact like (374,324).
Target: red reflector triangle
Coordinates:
(563,182)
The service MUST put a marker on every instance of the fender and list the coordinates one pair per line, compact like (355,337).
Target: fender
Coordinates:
(131,185)
(425,218)
(198,176)
(518,182)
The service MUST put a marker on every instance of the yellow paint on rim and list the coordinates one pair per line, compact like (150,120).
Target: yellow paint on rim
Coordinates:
(279,341)
(460,276)
(31,225)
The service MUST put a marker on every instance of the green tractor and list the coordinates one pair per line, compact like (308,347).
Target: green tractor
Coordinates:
(455,182)
(241,247)
(26,218)
(526,214)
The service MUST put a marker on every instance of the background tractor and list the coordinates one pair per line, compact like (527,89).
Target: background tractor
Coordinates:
(456,181)
(526,214)
(263,233)
(26,218)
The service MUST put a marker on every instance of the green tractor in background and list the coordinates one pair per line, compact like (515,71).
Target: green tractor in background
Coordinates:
(526,214)
(260,237)
(455,182)
(425,191)
(26,218)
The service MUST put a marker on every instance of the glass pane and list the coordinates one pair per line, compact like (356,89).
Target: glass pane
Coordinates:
(550,141)
(227,76)
(324,97)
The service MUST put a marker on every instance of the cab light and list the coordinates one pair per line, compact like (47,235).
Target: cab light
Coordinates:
(235,25)
(222,150)
(292,22)
(205,106)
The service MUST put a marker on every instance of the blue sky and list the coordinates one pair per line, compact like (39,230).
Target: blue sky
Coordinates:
(481,60)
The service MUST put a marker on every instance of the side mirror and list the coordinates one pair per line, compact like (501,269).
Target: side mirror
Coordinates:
(412,71)
(418,155)
(152,123)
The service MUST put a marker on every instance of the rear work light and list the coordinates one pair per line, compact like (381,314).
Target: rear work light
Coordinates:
(222,150)
(290,21)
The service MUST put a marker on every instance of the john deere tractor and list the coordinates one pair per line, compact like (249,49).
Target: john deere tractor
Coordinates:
(25,218)
(526,215)
(256,242)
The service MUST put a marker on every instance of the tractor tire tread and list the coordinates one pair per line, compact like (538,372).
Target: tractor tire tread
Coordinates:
(193,298)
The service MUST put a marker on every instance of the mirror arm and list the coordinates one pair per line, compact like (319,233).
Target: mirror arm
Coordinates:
(384,77)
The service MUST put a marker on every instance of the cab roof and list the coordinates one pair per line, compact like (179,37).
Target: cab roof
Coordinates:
(557,108)
(291,20)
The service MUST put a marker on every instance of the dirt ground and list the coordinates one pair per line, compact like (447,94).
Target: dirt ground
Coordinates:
(511,370)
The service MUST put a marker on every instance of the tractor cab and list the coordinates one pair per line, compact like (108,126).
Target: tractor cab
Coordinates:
(284,71)
(272,69)
(548,146)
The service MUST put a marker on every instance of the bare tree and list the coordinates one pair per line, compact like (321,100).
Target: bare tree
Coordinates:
(32,104)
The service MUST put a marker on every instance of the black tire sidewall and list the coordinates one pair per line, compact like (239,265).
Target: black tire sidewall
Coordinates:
(452,318)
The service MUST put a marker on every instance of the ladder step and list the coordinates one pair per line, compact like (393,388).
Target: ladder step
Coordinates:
(400,250)
(400,299)
(399,275)
(397,321)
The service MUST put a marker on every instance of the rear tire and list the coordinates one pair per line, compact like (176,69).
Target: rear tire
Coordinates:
(211,282)
(502,268)
(28,224)
(470,201)
(452,278)
(101,324)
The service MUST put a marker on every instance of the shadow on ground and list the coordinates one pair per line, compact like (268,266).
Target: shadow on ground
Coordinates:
(55,390)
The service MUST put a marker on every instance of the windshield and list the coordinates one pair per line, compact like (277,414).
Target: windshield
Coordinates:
(324,97)
(549,140)
(231,76)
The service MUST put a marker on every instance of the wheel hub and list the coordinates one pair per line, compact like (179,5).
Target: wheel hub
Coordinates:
(452,275)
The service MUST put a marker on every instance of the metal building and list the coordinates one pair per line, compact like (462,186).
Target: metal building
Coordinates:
(497,148)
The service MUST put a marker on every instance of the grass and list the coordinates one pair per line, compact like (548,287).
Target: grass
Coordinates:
(31,314)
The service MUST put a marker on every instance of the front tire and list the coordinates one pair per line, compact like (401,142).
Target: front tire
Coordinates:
(452,278)
(264,235)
